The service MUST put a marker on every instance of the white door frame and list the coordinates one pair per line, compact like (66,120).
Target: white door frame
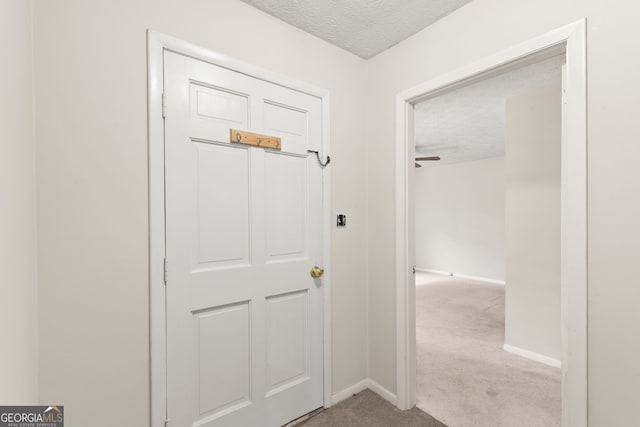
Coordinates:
(571,40)
(157,43)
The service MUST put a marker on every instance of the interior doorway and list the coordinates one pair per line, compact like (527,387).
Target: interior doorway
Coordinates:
(488,250)
(570,42)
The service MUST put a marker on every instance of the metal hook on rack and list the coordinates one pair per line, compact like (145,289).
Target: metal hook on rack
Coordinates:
(324,165)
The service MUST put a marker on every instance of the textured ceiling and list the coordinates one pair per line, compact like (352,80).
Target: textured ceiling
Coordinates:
(469,123)
(363,27)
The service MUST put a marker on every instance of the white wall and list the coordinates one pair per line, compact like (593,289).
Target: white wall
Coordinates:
(92,187)
(460,218)
(532,159)
(479,29)
(18,297)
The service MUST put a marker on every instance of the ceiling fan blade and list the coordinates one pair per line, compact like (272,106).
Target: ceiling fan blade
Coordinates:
(421,159)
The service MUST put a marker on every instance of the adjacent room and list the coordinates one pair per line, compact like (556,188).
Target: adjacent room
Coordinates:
(487,203)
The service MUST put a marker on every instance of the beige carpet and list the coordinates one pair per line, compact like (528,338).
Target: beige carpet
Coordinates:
(367,409)
(465,378)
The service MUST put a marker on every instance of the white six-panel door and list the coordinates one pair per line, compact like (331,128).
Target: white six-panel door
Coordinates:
(243,229)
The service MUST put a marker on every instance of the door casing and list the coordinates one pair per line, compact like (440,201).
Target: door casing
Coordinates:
(157,44)
(569,40)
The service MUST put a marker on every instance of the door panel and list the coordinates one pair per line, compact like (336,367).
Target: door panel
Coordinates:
(285,118)
(223,232)
(244,226)
(214,103)
(287,317)
(293,116)
(223,347)
(214,109)
(285,206)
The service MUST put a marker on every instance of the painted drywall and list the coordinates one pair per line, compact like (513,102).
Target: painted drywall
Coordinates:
(18,293)
(460,218)
(613,176)
(532,206)
(91,125)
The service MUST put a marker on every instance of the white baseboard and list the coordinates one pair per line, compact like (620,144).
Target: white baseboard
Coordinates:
(346,393)
(556,363)
(428,270)
(481,279)
(462,276)
(386,394)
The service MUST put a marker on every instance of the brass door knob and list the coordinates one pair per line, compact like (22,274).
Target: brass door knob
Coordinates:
(316,271)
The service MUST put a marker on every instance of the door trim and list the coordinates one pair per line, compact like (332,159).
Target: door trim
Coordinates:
(157,43)
(570,40)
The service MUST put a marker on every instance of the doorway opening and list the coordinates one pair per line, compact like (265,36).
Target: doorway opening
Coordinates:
(568,41)
(488,212)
